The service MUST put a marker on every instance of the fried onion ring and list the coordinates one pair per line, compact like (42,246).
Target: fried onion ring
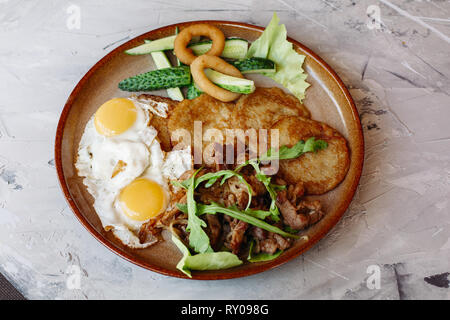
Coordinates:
(215,63)
(185,54)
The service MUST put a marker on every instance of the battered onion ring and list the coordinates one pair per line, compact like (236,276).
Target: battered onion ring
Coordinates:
(215,63)
(185,54)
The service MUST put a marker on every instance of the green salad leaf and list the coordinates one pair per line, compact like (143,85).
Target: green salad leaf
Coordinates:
(234,212)
(261,256)
(284,153)
(198,239)
(211,177)
(273,45)
(301,147)
(261,176)
(204,261)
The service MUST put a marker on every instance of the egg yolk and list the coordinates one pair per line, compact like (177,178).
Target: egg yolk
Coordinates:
(115,117)
(142,199)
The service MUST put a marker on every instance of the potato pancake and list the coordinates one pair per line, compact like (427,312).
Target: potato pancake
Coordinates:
(321,171)
(213,114)
(265,106)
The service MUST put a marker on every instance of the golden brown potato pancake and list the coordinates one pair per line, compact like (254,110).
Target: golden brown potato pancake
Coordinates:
(321,171)
(160,123)
(265,106)
(213,114)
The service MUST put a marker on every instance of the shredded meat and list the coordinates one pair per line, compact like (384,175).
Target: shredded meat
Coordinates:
(295,191)
(258,187)
(299,216)
(224,230)
(232,193)
(215,193)
(268,242)
(237,235)
(258,233)
(177,197)
(268,245)
(237,193)
(149,232)
(214,229)
(313,209)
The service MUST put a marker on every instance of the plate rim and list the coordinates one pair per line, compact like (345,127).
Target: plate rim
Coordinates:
(198,275)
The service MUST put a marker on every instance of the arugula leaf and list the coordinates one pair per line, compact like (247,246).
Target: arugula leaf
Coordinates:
(233,212)
(261,256)
(284,153)
(291,230)
(212,178)
(180,184)
(203,261)
(275,213)
(278,187)
(301,147)
(198,239)
(313,145)
(260,214)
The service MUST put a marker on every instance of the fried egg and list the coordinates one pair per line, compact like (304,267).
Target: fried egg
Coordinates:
(125,169)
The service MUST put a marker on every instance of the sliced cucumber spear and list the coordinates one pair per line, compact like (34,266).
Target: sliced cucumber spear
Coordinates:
(180,76)
(224,81)
(161,62)
(156,45)
(193,91)
(251,65)
(234,48)
(230,83)
(255,65)
(158,79)
(178,60)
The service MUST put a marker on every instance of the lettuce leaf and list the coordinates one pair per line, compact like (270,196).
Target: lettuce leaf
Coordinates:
(261,256)
(273,45)
(204,261)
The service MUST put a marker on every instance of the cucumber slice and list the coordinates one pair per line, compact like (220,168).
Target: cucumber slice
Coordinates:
(224,81)
(158,79)
(156,45)
(255,65)
(193,92)
(230,83)
(235,48)
(178,60)
(161,62)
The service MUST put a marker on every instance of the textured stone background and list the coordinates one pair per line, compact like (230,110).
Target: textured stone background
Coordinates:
(398,75)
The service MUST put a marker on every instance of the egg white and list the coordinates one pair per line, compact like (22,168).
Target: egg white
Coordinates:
(140,150)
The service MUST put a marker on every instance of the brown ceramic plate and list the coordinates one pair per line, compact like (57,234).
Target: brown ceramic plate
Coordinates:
(327,99)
